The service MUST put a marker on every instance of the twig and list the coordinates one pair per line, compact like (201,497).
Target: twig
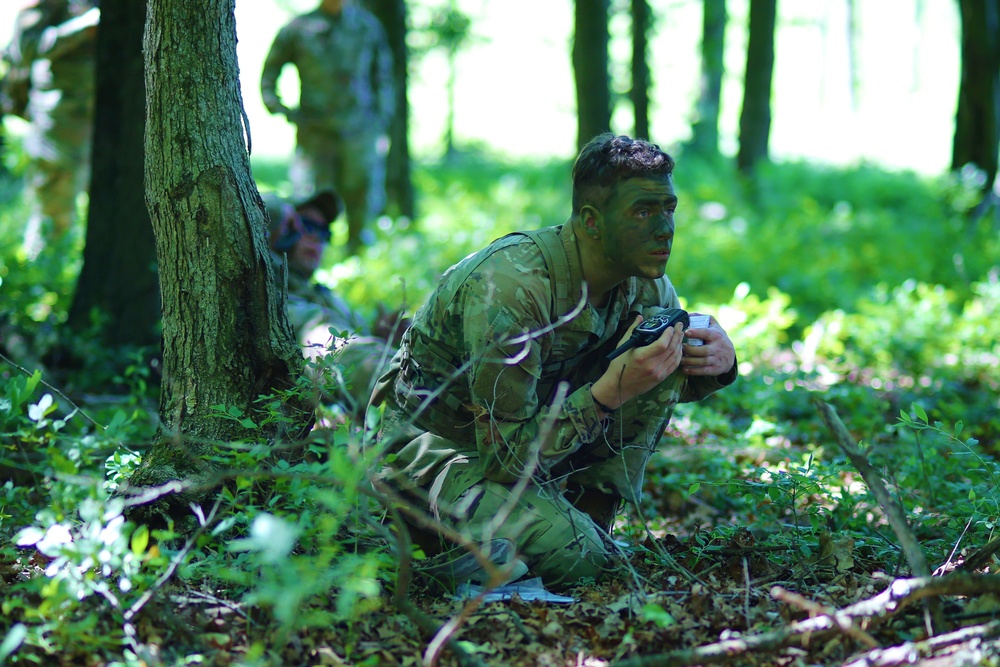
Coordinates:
(815,609)
(57,391)
(174,564)
(981,557)
(893,510)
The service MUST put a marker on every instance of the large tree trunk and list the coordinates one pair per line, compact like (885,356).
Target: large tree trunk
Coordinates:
(590,69)
(226,337)
(977,120)
(118,277)
(755,118)
(399,186)
(705,131)
(641,80)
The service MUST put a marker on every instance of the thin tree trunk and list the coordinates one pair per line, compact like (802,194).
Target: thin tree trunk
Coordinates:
(641,79)
(705,132)
(590,68)
(226,337)
(755,118)
(399,185)
(118,277)
(977,120)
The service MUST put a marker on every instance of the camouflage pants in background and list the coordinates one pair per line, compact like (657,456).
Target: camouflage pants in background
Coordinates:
(353,163)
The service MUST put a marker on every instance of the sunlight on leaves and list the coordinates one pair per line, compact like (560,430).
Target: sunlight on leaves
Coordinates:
(271,537)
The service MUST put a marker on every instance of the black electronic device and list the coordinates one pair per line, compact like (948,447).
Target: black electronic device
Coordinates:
(650,329)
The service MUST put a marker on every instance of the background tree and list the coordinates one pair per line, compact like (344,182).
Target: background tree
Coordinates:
(590,69)
(118,277)
(977,119)
(705,129)
(641,79)
(755,117)
(226,338)
(399,186)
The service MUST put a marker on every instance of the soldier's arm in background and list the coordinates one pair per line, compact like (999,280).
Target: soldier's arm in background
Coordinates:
(280,54)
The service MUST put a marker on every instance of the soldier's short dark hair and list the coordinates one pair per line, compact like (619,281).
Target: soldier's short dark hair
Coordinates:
(607,160)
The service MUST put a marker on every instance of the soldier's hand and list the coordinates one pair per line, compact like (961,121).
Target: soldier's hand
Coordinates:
(715,357)
(640,369)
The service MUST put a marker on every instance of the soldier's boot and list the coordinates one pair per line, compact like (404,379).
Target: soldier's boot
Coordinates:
(459,565)
(601,507)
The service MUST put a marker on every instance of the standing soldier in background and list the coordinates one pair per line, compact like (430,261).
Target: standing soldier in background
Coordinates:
(346,102)
(51,85)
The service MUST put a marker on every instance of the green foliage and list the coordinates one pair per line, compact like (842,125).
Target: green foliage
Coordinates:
(866,289)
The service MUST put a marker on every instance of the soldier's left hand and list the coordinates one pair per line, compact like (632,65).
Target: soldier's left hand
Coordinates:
(715,357)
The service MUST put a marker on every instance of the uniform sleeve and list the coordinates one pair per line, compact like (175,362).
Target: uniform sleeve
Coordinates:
(505,317)
(696,387)
(280,54)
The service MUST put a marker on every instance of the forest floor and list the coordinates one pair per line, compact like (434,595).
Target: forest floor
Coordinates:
(678,597)
(728,602)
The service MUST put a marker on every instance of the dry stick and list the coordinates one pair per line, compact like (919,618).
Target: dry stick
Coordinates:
(910,652)
(900,594)
(980,558)
(815,609)
(399,599)
(893,511)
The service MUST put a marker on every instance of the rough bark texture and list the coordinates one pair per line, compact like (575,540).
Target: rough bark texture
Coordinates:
(118,276)
(590,69)
(705,130)
(755,118)
(977,120)
(226,339)
(399,185)
(641,80)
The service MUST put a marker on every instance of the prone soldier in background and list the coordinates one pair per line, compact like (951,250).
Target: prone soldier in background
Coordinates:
(50,83)
(298,235)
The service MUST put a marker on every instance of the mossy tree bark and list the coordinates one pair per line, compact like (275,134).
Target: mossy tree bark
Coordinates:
(226,338)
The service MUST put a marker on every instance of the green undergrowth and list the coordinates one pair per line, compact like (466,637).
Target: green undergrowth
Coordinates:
(862,289)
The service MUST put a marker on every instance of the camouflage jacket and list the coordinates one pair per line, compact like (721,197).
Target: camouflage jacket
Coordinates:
(345,70)
(493,365)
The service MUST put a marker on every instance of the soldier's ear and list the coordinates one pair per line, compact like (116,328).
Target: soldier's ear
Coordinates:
(591,218)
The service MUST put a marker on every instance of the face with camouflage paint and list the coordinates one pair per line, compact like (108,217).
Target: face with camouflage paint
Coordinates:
(636,227)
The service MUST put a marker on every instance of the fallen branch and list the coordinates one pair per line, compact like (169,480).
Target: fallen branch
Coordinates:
(899,595)
(910,652)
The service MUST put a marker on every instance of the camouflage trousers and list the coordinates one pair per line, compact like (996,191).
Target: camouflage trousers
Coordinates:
(561,527)
(351,162)
(559,542)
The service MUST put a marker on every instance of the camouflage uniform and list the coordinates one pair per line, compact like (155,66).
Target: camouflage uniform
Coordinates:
(313,311)
(346,103)
(51,84)
(490,386)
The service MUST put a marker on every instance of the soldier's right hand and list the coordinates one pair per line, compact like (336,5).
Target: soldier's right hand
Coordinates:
(640,369)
